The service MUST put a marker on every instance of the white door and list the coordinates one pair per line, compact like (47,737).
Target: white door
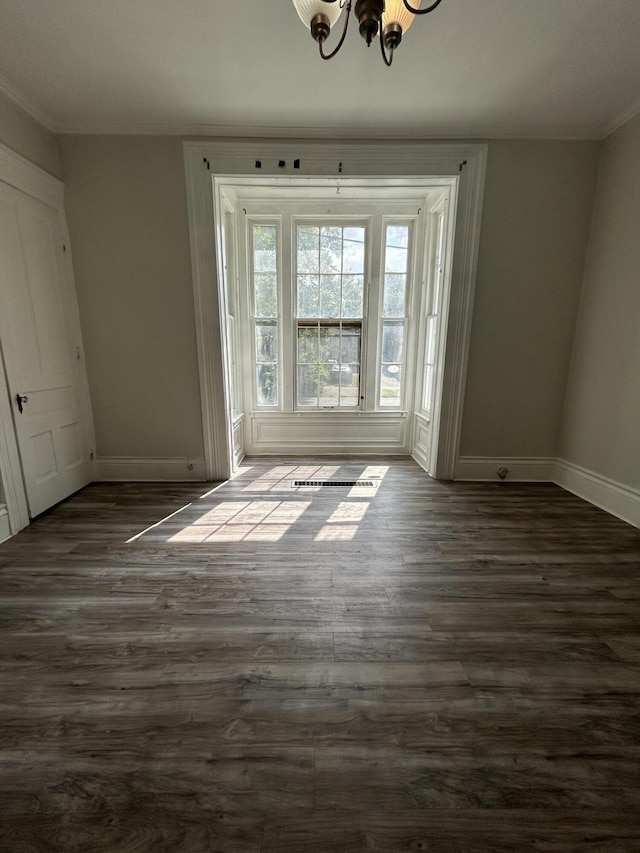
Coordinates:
(41,346)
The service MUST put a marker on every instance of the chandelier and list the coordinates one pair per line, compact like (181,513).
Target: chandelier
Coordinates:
(389,19)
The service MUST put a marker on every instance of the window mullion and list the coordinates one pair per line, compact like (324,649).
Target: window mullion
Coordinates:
(286,319)
(371,330)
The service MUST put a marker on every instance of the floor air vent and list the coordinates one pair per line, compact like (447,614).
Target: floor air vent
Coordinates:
(333,483)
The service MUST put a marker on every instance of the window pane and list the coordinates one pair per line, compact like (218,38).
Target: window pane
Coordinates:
(428,388)
(395,265)
(349,393)
(390,385)
(398,235)
(266,294)
(267,383)
(338,255)
(310,381)
(353,250)
(308,345)
(395,286)
(391,367)
(395,260)
(331,250)
(330,296)
(329,365)
(308,249)
(264,240)
(266,343)
(348,378)
(352,295)
(431,340)
(264,247)
(308,296)
(350,344)
(392,340)
(264,261)
(265,298)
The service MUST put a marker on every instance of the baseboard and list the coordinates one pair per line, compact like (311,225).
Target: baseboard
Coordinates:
(603,492)
(519,468)
(611,496)
(5,529)
(150,469)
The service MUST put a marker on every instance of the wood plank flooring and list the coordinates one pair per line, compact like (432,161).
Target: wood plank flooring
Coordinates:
(257,668)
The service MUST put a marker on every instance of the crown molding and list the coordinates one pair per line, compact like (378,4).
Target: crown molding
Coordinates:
(479,132)
(26,104)
(22,174)
(622,118)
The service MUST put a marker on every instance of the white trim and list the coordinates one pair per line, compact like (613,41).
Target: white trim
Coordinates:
(401,163)
(208,321)
(466,224)
(5,527)
(622,118)
(25,176)
(326,433)
(374,134)
(26,104)
(520,468)
(421,451)
(418,455)
(151,469)
(10,468)
(611,496)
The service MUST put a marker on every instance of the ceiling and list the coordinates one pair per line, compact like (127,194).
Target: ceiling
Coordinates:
(472,68)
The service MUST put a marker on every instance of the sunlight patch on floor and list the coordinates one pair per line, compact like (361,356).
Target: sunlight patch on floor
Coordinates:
(349,511)
(238,521)
(278,479)
(341,533)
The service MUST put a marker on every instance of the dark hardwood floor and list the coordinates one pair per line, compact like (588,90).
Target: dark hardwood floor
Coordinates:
(257,668)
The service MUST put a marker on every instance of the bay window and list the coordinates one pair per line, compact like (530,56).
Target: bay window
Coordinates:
(329,307)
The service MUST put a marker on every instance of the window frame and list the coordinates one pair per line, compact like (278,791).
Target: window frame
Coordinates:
(373,215)
(328,221)
(252,319)
(411,288)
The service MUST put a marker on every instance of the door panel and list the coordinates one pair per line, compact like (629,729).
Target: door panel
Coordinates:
(41,350)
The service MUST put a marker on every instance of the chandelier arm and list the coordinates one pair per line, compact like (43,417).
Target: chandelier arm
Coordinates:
(342,37)
(387,59)
(421,11)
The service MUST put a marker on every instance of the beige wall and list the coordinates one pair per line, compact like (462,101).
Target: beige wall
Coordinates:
(127,215)
(601,428)
(126,207)
(28,137)
(535,228)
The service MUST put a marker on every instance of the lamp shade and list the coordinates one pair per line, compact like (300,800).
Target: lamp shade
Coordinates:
(395,12)
(308,9)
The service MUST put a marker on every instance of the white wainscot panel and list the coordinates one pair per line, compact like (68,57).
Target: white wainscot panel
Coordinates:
(327,432)
(421,440)
(5,530)
(238,446)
